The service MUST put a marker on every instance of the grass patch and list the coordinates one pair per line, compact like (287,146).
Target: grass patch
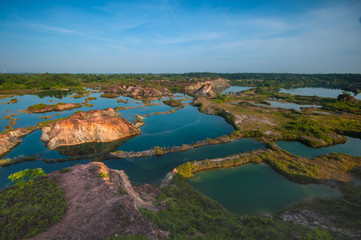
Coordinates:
(190,215)
(173,103)
(103,175)
(24,212)
(110,95)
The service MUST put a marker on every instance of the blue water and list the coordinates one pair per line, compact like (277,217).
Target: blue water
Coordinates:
(351,147)
(235,89)
(165,130)
(147,169)
(295,106)
(320,92)
(153,169)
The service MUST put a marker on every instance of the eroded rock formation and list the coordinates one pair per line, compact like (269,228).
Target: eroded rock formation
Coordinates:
(207,88)
(87,127)
(138,92)
(205,91)
(102,203)
(12,138)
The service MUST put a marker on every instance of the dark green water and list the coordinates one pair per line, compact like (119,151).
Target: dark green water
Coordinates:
(148,169)
(166,130)
(184,126)
(256,189)
(351,147)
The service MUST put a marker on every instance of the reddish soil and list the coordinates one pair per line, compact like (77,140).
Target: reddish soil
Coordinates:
(102,203)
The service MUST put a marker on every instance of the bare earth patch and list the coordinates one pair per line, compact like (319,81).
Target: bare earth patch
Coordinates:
(102,203)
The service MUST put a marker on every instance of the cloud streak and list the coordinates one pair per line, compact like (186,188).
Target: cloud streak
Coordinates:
(172,13)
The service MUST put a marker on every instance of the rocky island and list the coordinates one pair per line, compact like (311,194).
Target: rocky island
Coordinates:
(11,138)
(42,108)
(87,127)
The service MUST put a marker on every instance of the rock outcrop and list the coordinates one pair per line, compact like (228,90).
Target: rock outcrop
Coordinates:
(346,98)
(138,92)
(102,203)
(87,127)
(12,138)
(205,91)
(207,88)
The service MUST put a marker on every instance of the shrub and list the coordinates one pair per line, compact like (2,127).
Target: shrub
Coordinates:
(26,211)
(26,177)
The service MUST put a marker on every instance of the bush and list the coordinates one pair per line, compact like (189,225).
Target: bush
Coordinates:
(26,211)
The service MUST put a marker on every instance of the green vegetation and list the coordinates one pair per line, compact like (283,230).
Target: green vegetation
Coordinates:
(228,116)
(173,103)
(103,175)
(13,100)
(177,82)
(28,210)
(26,177)
(188,214)
(129,237)
(342,213)
(91,98)
(38,81)
(331,104)
(220,98)
(37,107)
(187,169)
(302,170)
(110,95)
(41,107)
(158,151)
(341,106)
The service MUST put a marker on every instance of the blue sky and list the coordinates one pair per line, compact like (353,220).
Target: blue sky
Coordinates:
(157,36)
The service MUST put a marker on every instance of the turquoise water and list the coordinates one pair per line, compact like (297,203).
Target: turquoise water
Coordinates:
(256,189)
(27,120)
(147,169)
(153,169)
(351,147)
(320,92)
(235,89)
(184,126)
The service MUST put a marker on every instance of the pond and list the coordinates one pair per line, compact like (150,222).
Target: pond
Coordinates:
(148,169)
(186,125)
(256,189)
(295,106)
(320,92)
(235,89)
(351,147)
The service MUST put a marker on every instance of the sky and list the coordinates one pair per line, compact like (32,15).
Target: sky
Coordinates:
(176,36)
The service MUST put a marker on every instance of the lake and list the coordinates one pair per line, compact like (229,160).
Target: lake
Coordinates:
(295,106)
(320,92)
(256,189)
(351,147)
(146,169)
(235,89)
(241,190)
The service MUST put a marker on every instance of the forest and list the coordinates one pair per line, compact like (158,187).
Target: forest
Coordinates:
(47,81)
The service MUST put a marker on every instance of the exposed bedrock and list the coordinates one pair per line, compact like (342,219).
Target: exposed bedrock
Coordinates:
(96,126)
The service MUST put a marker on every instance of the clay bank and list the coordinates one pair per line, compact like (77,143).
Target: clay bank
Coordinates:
(86,127)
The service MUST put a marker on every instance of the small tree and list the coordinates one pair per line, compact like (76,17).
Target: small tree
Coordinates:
(26,177)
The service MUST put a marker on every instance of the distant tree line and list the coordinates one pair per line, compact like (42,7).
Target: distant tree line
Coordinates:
(46,81)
